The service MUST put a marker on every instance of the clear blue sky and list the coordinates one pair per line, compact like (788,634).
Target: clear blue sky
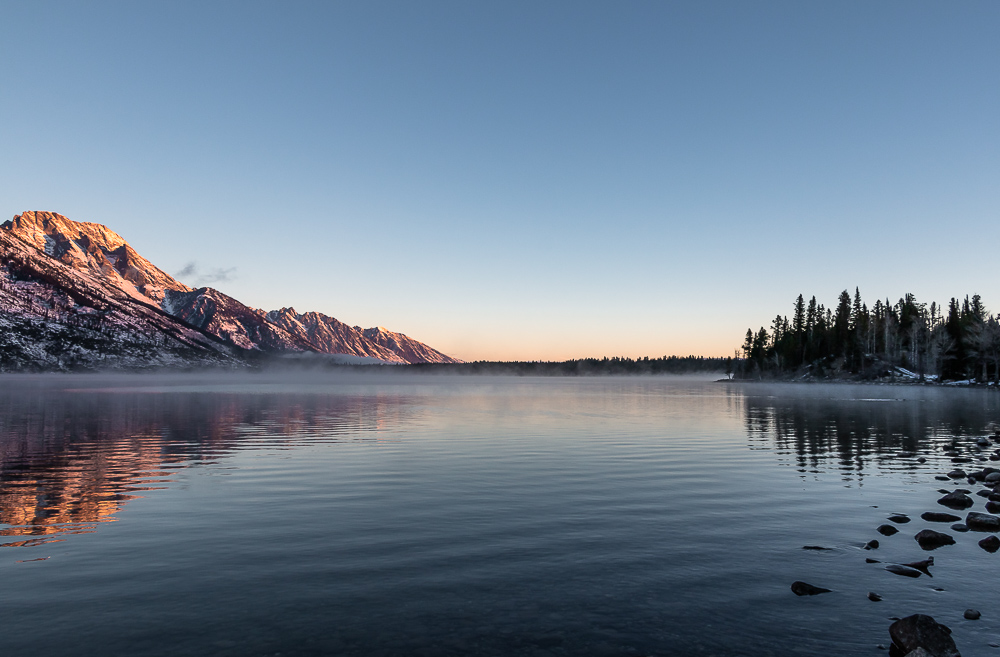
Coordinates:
(522,180)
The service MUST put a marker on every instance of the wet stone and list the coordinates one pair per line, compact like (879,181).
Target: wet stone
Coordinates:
(993,507)
(886,530)
(802,588)
(931,540)
(899,518)
(923,566)
(956,500)
(871,545)
(957,474)
(922,632)
(874,597)
(972,614)
(960,527)
(990,544)
(982,522)
(905,571)
(937,516)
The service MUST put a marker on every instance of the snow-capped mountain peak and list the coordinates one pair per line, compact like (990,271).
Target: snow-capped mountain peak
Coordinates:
(47,254)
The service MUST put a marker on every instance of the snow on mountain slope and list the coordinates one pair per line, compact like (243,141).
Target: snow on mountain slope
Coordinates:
(56,317)
(82,257)
(95,248)
(330,336)
(406,347)
(224,316)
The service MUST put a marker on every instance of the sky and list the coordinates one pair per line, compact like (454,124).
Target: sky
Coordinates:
(521,180)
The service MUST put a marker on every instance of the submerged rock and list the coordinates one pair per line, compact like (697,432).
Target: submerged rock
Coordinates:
(922,566)
(874,597)
(899,518)
(871,545)
(923,632)
(815,547)
(886,530)
(959,527)
(931,540)
(801,588)
(938,516)
(972,614)
(905,571)
(982,522)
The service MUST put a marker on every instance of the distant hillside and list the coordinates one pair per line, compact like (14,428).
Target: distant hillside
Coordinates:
(585,366)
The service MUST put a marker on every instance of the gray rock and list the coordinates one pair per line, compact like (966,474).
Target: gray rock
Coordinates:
(923,632)
(801,588)
(972,614)
(990,543)
(936,516)
(982,522)
(931,540)
(991,477)
(957,474)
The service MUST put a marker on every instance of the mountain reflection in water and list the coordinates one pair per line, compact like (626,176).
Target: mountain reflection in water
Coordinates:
(476,515)
(71,458)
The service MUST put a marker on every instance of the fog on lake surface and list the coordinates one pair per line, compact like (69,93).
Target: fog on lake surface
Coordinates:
(402,515)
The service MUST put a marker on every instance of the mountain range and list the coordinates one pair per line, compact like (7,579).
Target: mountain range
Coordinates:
(76,295)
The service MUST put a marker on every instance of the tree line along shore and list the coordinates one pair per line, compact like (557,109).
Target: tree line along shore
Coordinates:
(903,340)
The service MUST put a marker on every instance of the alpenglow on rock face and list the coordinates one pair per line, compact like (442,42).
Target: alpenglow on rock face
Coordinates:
(71,276)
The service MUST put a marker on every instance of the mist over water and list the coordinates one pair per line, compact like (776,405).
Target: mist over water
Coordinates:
(387,514)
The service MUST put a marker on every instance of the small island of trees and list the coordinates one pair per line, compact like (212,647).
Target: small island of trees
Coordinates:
(908,338)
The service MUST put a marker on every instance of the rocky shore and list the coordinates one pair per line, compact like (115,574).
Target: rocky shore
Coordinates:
(920,635)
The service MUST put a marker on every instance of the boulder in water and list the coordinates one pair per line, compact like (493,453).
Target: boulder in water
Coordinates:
(982,522)
(930,539)
(990,543)
(923,632)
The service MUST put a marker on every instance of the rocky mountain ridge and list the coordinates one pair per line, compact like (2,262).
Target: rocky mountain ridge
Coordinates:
(72,276)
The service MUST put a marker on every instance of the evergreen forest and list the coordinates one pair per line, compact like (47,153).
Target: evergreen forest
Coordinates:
(907,339)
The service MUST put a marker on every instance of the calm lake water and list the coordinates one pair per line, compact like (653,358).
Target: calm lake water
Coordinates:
(398,515)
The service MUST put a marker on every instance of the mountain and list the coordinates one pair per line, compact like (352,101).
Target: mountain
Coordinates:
(408,349)
(61,272)
(57,317)
(332,336)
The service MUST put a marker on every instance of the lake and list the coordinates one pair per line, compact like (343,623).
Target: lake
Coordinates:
(402,515)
